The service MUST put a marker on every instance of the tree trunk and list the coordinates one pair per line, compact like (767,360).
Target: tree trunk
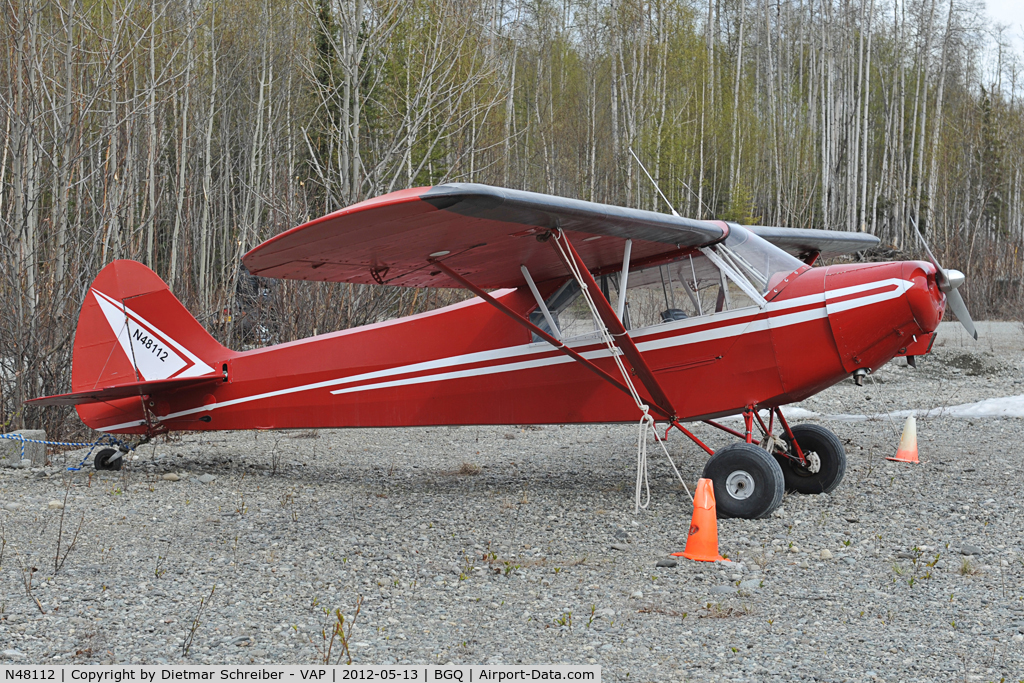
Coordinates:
(172,275)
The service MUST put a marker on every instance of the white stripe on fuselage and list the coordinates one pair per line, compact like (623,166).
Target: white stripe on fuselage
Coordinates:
(777,318)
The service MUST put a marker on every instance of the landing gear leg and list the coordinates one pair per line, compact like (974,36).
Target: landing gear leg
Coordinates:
(811,458)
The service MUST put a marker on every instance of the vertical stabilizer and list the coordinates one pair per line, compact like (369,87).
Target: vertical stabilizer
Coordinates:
(132,329)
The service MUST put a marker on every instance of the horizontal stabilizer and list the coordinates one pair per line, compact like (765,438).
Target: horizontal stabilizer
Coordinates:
(111,393)
(801,242)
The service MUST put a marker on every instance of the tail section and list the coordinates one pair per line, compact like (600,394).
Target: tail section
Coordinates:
(134,338)
(132,329)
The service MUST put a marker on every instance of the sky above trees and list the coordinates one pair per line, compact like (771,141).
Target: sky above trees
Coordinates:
(1010,13)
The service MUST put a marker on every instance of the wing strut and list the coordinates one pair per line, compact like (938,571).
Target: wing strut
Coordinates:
(540,332)
(613,323)
(623,278)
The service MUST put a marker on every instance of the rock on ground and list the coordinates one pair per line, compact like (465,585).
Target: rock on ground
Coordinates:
(13,451)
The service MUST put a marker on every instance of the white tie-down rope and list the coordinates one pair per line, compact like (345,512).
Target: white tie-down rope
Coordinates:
(642,492)
(642,485)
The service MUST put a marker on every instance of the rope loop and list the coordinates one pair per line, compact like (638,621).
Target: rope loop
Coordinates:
(642,492)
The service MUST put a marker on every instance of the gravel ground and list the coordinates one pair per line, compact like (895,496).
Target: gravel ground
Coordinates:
(491,544)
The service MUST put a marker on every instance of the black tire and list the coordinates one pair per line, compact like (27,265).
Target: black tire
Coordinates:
(815,441)
(105,459)
(748,482)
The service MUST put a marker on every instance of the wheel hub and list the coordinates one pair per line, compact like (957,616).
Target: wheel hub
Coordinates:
(740,485)
(813,462)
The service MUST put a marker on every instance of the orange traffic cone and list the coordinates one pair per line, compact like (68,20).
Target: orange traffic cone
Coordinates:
(702,543)
(907,451)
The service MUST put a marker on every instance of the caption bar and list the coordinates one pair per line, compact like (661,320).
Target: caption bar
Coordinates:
(297,674)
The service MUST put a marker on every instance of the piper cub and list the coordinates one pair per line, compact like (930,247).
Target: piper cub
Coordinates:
(584,313)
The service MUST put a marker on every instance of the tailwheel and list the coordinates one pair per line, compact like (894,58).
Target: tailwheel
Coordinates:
(826,460)
(748,481)
(108,459)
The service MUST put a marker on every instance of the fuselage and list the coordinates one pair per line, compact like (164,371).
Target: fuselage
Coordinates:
(471,364)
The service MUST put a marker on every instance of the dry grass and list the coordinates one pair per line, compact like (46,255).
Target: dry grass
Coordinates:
(763,558)
(967,568)
(658,609)
(497,563)
(714,610)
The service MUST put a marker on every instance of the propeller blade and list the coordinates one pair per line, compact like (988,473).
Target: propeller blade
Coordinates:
(940,272)
(948,282)
(959,309)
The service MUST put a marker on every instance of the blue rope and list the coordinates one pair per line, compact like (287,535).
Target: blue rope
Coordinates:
(106,439)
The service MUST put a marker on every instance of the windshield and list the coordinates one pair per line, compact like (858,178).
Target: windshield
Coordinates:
(763,264)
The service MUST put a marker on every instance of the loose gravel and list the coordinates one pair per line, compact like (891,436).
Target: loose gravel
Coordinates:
(507,545)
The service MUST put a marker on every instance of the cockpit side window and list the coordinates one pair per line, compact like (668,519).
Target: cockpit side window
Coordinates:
(738,274)
(570,311)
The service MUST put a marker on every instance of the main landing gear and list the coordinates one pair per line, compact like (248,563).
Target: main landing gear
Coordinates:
(824,456)
(750,477)
(748,481)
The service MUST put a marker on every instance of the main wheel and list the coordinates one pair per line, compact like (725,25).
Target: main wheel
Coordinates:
(748,482)
(108,459)
(826,461)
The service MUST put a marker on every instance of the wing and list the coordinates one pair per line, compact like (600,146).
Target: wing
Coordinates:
(828,243)
(128,390)
(483,232)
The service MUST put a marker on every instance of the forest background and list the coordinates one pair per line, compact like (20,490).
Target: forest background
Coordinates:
(182,133)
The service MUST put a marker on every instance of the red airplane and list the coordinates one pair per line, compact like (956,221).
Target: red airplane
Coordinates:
(717,320)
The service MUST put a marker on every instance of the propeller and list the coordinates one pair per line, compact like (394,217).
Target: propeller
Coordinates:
(949,281)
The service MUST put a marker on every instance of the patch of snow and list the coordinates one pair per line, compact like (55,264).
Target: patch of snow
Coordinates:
(1005,406)
(791,413)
